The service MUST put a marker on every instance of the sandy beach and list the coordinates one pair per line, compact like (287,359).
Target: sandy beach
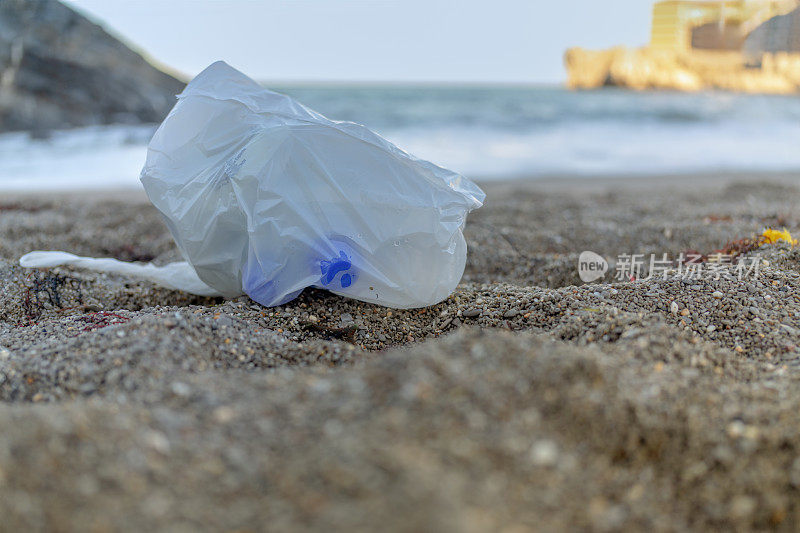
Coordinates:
(525,401)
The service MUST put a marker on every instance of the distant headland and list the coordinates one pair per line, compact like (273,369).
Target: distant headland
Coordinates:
(59,70)
(743,45)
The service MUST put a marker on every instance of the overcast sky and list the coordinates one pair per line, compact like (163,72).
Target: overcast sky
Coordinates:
(374,40)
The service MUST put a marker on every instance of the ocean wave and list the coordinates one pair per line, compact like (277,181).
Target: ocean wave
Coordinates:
(484,133)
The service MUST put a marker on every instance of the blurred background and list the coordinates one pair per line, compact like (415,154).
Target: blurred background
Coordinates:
(507,89)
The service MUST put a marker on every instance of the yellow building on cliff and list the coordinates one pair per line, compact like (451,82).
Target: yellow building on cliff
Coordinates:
(731,45)
(682,25)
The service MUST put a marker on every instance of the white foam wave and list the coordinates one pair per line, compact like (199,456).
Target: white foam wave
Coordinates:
(112,156)
(604,149)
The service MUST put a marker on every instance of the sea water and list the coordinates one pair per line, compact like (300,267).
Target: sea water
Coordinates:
(484,133)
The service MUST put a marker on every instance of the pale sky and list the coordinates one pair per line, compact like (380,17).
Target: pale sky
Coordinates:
(484,41)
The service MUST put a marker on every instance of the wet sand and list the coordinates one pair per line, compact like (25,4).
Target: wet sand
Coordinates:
(527,400)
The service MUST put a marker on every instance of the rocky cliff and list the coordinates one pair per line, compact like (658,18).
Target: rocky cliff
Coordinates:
(646,68)
(59,69)
(781,33)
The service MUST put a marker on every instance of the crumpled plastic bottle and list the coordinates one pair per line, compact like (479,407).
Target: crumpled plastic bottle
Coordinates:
(267,197)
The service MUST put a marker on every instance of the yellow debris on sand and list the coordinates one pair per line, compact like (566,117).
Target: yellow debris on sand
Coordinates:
(771,236)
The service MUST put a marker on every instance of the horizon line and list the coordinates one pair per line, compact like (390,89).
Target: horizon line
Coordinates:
(411,83)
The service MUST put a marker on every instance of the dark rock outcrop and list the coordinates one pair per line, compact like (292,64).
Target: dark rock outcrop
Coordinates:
(58,69)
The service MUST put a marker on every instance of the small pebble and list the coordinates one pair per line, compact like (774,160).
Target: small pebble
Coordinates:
(544,453)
